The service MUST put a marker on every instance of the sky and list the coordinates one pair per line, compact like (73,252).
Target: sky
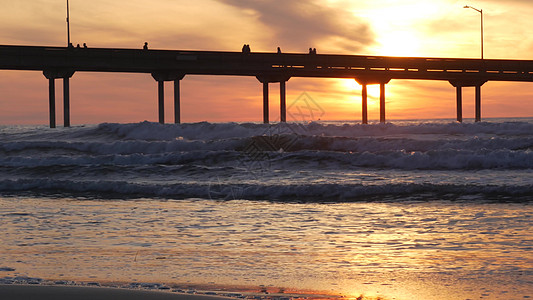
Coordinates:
(436,28)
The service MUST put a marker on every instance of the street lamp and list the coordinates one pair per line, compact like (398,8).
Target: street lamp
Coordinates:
(68,25)
(481,12)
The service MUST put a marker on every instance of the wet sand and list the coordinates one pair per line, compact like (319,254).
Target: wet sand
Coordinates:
(40,292)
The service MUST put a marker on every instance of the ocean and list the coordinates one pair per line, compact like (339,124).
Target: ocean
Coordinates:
(416,209)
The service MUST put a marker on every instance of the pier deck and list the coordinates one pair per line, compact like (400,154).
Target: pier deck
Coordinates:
(173,65)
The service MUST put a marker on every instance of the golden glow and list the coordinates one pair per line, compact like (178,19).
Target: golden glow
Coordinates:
(437,28)
(398,25)
(402,43)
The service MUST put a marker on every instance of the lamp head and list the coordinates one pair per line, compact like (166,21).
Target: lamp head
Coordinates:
(466,6)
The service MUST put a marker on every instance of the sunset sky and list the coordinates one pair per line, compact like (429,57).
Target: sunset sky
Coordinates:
(436,28)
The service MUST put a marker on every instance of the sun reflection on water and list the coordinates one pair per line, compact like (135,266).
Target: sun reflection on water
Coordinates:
(396,250)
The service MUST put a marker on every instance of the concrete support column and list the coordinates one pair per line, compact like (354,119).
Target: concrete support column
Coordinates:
(52,101)
(161,77)
(478,103)
(66,102)
(265,102)
(460,83)
(52,75)
(265,80)
(283,100)
(365,104)
(161,101)
(177,108)
(382,102)
(459,90)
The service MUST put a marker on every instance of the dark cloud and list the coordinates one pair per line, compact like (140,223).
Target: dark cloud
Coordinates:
(298,24)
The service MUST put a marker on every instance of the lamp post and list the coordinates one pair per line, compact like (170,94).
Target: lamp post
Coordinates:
(481,12)
(68,25)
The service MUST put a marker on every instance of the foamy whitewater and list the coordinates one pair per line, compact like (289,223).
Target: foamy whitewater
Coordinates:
(406,210)
(293,162)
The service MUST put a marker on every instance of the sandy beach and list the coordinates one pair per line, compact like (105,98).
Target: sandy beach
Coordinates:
(39,292)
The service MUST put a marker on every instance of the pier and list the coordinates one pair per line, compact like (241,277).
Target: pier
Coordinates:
(174,65)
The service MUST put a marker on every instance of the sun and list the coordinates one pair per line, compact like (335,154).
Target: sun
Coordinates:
(354,87)
(398,43)
(398,26)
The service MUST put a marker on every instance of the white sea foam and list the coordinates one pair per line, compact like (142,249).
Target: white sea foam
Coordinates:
(288,159)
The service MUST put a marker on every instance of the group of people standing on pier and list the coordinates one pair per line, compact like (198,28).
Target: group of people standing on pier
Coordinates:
(246,49)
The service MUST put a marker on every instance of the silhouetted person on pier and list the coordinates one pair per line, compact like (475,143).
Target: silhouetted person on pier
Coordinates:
(310,50)
(78,46)
(314,50)
(85,45)
(279,50)
(246,49)
(70,45)
(145,47)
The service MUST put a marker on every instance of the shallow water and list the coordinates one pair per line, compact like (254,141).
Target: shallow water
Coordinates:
(427,209)
(399,250)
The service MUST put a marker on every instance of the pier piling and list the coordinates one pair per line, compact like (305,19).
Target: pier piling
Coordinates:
(459,92)
(382,102)
(364,93)
(66,101)
(478,103)
(52,101)
(177,107)
(283,100)
(161,101)
(265,102)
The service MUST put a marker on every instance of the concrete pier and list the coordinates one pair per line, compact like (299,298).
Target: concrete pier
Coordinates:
(173,65)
